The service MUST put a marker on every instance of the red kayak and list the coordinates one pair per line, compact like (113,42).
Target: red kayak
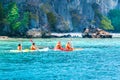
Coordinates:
(63,49)
(75,49)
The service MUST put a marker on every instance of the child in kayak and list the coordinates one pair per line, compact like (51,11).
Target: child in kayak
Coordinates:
(68,47)
(33,47)
(19,47)
(58,46)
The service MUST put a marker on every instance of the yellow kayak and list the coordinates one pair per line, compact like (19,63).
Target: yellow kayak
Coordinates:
(27,50)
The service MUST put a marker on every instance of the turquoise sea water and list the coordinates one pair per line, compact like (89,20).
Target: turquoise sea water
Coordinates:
(100,60)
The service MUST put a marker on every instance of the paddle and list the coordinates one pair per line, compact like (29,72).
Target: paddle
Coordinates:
(39,47)
(31,40)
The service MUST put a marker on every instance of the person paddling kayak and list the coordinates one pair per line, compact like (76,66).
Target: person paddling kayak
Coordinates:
(19,47)
(58,46)
(33,47)
(68,47)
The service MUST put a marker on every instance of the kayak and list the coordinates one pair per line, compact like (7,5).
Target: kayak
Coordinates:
(75,49)
(27,50)
(44,50)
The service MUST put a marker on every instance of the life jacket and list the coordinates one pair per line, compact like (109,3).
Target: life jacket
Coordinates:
(19,47)
(58,46)
(33,48)
(68,47)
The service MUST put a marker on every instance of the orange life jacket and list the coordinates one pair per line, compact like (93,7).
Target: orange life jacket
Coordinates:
(19,47)
(68,47)
(58,46)
(33,48)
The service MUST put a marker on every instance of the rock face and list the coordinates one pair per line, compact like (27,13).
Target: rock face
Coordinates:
(34,33)
(37,33)
(71,15)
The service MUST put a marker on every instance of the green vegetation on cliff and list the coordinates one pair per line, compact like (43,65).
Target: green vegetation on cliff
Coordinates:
(114,16)
(106,24)
(13,16)
(25,20)
(103,21)
(1,13)
(1,16)
(11,19)
(52,20)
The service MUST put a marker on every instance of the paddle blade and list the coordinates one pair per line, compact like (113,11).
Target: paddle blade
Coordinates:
(31,40)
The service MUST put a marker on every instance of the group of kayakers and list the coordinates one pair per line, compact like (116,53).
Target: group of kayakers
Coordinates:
(33,47)
(58,46)
(68,47)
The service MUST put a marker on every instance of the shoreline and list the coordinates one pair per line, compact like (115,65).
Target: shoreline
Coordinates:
(79,35)
(70,35)
(115,35)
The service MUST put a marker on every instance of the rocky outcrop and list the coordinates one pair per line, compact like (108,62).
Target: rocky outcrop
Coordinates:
(34,33)
(37,33)
(4,37)
(92,32)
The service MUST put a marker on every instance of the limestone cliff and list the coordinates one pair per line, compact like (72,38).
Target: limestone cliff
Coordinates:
(70,15)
